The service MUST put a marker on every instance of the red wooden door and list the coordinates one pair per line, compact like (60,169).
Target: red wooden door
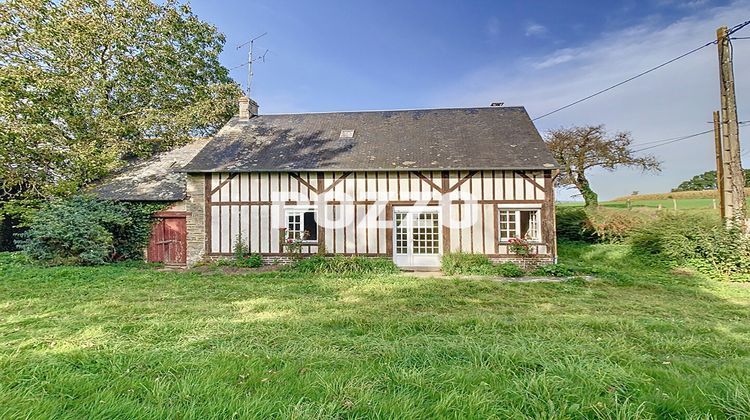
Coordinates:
(168,242)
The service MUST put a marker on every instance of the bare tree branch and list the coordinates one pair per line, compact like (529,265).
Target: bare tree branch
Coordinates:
(578,149)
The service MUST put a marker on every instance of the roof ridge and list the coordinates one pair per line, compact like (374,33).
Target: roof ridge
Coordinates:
(397,110)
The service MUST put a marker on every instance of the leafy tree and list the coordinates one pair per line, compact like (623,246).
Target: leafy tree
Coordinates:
(579,149)
(86,230)
(87,84)
(705,181)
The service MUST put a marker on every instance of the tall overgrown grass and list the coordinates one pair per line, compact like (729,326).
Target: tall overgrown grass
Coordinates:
(605,225)
(346,266)
(461,263)
(692,239)
(699,241)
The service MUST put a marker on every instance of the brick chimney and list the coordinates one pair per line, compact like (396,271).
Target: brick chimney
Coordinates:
(248,108)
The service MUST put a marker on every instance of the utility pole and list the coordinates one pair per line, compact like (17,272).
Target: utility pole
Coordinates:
(730,133)
(720,167)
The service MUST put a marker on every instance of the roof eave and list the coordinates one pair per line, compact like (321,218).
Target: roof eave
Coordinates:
(403,169)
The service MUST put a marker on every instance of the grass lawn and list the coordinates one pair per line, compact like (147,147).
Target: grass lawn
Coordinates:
(129,341)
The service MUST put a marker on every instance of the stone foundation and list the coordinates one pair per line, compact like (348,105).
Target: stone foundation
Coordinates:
(526,263)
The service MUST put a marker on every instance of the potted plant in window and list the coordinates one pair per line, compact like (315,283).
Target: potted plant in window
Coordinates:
(292,243)
(522,248)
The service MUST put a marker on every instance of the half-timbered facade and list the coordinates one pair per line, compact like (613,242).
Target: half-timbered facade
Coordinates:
(409,185)
(413,216)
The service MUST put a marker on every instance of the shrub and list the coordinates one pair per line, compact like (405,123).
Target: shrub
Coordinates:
(696,240)
(131,239)
(572,225)
(462,263)
(672,237)
(465,263)
(242,255)
(554,270)
(344,266)
(509,269)
(597,225)
(85,230)
(520,247)
(613,226)
(249,261)
(723,252)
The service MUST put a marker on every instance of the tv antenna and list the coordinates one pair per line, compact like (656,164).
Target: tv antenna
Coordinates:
(251,59)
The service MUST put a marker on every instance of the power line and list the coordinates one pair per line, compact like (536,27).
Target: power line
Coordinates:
(674,140)
(643,73)
(665,142)
(737,27)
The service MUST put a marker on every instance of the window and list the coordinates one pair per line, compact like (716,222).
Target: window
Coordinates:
(426,233)
(402,234)
(519,223)
(301,224)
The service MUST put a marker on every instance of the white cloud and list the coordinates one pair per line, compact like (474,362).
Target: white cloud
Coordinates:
(561,56)
(493,26)
(535,29)
(672,101)
(691,4)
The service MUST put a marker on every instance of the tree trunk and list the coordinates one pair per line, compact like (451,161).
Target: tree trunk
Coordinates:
(590,198)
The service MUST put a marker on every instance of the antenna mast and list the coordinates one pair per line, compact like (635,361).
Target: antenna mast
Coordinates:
(251,59)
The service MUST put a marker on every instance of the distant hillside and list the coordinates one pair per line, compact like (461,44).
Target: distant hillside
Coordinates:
(705,181)
(679,195)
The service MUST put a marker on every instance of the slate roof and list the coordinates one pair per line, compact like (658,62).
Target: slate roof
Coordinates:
(156,179)
(433,139)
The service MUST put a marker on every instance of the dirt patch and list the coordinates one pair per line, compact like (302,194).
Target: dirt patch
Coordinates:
(683,271)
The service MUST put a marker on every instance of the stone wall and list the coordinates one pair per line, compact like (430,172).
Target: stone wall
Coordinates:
(196,221)
(527,263)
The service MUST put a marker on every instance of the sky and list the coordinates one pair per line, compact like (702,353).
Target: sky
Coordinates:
(388,54)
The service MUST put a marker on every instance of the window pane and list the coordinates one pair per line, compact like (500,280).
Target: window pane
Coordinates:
(425,233)
(401,234)
(534,231)
(302,225)
(507,224)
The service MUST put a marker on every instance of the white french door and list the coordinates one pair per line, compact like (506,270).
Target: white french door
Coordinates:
(416,237)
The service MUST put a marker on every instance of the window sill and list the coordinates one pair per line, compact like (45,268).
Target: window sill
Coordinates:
(529,242)
(306,243)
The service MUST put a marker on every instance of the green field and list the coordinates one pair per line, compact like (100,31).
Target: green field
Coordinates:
(686,200)
(682,204)
(132,342)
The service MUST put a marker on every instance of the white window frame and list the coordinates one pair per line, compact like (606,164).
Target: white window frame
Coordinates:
(300,211)
(515,210)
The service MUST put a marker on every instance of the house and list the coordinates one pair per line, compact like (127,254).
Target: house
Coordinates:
(408,184)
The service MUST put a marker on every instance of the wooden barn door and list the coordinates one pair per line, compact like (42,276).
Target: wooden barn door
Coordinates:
(168,242)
